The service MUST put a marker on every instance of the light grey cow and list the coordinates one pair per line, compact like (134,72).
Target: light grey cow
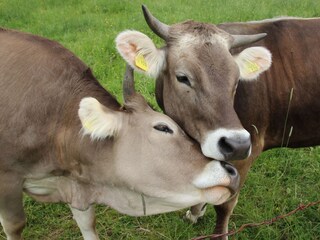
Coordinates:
(64,138)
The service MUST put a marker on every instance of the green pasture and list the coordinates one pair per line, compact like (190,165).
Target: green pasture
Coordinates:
(279,180)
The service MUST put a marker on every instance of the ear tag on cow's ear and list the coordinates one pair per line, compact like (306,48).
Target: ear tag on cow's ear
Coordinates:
(88,125)
(140,62)
(252,67)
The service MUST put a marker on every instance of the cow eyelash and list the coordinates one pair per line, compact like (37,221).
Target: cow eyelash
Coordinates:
(184,80)
(163,128)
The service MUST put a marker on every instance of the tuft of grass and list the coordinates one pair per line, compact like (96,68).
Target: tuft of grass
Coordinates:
(279,180)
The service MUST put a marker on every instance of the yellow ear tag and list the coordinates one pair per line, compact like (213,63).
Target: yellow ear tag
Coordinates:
(252,67)
(88,125)
(140,62)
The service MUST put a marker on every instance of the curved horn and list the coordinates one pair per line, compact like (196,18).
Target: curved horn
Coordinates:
(240,40)
(159,28)
(128,83)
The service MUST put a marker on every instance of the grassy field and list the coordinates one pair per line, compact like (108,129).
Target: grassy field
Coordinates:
(280,179)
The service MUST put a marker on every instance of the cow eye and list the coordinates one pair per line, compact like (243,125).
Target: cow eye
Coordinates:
(184,80)
(163,128)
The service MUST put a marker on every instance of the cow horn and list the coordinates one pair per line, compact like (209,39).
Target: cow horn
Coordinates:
(128,83)
(159,28)
(240,40)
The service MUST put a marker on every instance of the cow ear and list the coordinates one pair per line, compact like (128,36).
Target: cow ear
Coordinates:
(253,61)
(97,120)
(139,51)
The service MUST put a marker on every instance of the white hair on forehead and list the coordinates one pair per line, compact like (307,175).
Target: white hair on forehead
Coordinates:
(186,41)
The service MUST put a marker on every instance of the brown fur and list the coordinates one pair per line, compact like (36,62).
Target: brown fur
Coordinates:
(26,111)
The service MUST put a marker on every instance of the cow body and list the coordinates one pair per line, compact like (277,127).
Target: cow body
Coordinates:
(266,102)
(280,109)
(197,84)
(66,139)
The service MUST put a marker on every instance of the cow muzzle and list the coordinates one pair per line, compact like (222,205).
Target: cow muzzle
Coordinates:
(223,144)
(218,182)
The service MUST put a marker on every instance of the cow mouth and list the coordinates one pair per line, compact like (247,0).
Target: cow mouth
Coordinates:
(218,182)
(217,195)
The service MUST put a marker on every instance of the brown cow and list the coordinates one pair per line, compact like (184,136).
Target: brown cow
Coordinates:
(64,138)
(198,72)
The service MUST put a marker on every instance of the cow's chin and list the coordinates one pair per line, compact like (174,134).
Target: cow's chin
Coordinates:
(216,195)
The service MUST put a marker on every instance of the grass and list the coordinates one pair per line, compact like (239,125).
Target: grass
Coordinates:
(278,182)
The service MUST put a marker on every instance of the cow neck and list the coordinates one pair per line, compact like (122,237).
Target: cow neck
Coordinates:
(75,152)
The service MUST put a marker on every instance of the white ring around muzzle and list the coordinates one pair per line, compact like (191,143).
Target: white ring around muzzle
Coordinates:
(210,146)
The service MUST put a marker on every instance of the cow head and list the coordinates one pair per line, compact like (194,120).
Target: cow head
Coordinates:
(197,78)
(149,156)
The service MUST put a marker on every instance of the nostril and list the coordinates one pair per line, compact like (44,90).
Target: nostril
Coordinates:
(233,176)
(229,168)
(225,147)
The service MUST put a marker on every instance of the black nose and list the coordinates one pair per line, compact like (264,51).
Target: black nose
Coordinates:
(233,174)
(235,148)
